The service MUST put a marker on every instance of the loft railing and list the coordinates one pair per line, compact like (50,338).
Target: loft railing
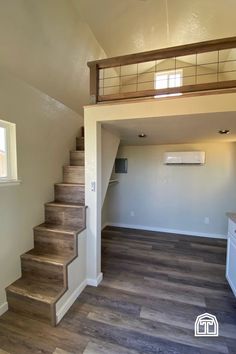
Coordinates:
(190,68)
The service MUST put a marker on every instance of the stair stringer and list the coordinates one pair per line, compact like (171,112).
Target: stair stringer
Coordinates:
(76,280)
(110,145)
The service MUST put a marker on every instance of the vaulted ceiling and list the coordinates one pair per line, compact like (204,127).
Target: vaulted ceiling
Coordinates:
(48,43)
(129,26)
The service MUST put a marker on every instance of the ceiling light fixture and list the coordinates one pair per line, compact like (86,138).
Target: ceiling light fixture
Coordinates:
(223,131)
(142,135)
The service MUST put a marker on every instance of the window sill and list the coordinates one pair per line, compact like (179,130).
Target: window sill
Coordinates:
(9,182)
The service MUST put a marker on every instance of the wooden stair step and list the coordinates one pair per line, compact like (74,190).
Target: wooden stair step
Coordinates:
(34,298)
(64,229)
(69,192)
(39,268)
(66,204)
(73,174)
(36,289)
(48,241)
(80,143)
(46,258)
(65,213)
(65,184)
(77,158)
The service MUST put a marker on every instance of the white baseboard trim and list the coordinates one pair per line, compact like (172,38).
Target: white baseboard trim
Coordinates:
(231,285)
(95,282)
(3,308)
(171,231)
(69,302)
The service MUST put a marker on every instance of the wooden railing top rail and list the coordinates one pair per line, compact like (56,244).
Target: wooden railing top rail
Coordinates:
(177,51)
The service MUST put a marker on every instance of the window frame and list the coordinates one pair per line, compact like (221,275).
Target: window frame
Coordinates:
(2,126)
(168,73)
(11,157)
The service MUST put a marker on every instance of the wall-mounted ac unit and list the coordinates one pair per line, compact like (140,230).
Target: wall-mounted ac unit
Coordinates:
(184,158)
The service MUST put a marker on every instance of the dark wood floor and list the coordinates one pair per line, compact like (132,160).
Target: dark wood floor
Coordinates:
(154,286)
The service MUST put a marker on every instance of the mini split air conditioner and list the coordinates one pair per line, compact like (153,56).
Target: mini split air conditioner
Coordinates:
(184,158)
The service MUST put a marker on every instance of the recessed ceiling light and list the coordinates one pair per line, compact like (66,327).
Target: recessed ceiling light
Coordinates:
(223,131)
(142,135)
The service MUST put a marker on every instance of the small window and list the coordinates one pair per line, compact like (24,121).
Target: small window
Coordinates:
(168,79)
(8,162)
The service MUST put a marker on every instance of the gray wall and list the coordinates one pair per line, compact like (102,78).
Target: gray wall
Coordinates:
(174,198)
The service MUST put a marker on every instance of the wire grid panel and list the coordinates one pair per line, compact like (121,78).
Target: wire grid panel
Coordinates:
(195,69)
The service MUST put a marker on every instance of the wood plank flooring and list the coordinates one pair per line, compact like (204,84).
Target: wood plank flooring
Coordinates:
(154,286)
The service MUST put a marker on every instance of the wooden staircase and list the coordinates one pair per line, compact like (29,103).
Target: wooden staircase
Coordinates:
(45,268)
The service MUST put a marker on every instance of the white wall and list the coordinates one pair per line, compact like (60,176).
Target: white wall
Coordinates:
(93,196)
(47,44)
(46,131)
(176,198)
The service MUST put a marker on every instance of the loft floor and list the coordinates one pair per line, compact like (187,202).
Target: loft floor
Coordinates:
(154,286)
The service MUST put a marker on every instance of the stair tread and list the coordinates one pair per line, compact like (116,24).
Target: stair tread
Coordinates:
(70,184)
(59,228)
(36,289)
(75,166)
(65,204)
(51,258)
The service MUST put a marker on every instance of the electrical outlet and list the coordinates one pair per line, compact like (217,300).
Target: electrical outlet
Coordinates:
(206,220)
(132,213)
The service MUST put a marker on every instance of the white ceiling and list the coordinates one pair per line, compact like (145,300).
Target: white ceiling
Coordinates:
(129,26)
(175,130)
